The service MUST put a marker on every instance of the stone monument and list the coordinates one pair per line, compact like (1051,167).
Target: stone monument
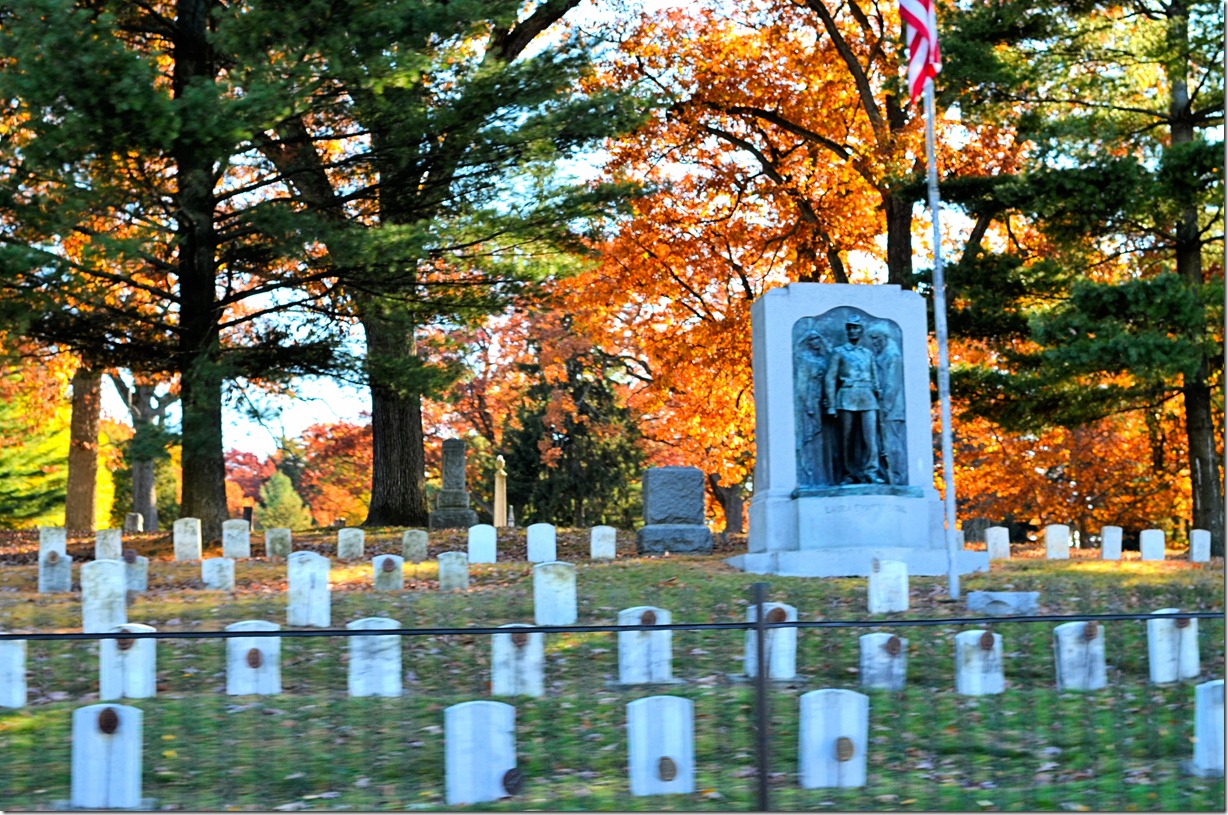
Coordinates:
(452,505)
(843,431)
(673,512)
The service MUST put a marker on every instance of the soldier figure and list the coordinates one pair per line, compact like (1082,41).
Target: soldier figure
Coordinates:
(851,388)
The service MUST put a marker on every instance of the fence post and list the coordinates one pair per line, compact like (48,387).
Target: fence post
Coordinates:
(759,597)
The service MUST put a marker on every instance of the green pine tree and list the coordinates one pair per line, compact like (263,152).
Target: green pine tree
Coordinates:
(280,506)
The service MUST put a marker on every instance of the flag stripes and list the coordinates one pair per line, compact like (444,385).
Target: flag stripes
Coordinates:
(921,37)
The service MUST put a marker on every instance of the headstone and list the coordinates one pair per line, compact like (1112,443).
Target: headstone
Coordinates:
(482,543)
(375,659)
(134,522)
(136,571)
(779,644)
(108,544)
(104,595)
(888,586)
(236,538)
(645,656)
(541,543)
(413,545)
(350,543)
(884,661)
(978,663)
(128,668)
(1057,542)
(1172,648)
(833,737)
(1151,544)
(218,573)
(673,512)
(844,469)
(975,528)
(602,543)
(106,757)
(1200,546)
(1110,543)
(453,571)
(1003,603)
(1209,730)
(13,673)
(52,539)
(554,593)
(253,664)
(998,543)
(485,729)
(310,602)
(278,543)
(452,504)
(54,572)
(1078,654)
(661,745)
(500,514)
(388,573)
(186,535)
(518,662)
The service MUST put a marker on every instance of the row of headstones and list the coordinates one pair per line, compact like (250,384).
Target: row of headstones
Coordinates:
(833,746)
(1057,543)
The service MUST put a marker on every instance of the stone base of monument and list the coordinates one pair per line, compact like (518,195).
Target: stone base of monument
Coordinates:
(682,539)
(856,561)
(452,519)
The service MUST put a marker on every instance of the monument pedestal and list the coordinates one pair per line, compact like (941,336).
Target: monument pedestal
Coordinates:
(452,505)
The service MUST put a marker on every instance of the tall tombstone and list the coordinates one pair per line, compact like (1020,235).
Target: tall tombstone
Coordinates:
(106,757)
(278,543)
(388,573)
(452,504)
(483,543)
(554,593)
(673,512)
(413,545)
(541,543)
(833,737)
(1209,730)
(13,673)
(310,602)
(518,661)
(350,543)
(218,573)
(453,571)
(134,523)
(52,539)
(500,514)
(108,544)
(888,586)
(186,534)
(602,543)
(661,745)
(1057,542)
(486,729)
(236,538)
(1200,546)
(54,572)
(779,644)
(1078,654)
(104,595)
(1172,648)
(128,667)
(883,661)
(136,571)
(1110,543)
(978,663)
(253,664)
(375,659)
(1151,544)
(998,543)
(645,656)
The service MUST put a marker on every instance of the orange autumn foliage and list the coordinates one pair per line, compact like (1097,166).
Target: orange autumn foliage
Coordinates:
(336,478)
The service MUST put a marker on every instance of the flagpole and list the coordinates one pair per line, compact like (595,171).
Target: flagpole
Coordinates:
(940,331)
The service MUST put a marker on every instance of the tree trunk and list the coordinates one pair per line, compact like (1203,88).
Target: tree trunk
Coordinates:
(731,500)
(83,450)
(143,466)
(898,212)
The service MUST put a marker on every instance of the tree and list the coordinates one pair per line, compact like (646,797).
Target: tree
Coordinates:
(148,408)
(280,506)
(83,449)
(336,477)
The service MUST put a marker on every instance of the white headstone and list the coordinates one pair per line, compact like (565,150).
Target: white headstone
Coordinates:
(218,573)
(661,745)
(833,736)
(1078,654)
(13,673)
(453,571)
(518,662)
(471,729)
(186,535)
(1200,545)
(1209,729)
(413,545)
(1110,543)
(884,661)
(134,522)
(104,595)
(54,572)
(554,593)
(375,660)
(779,644)
(602,543)
(482,543)
(310,603)
(350,543)
(1172,648)
(541,543)
(645,656)
(108,544)
(253,664)
(888,586)
(388,573)
(1151,544)
(998,542)
(106,757)
(52,538)
(236,538)
(128,668)
(278,543)
(136,571)
(978,663)
(1057,542)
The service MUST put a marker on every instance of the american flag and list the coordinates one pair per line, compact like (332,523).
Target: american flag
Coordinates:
(921,36)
